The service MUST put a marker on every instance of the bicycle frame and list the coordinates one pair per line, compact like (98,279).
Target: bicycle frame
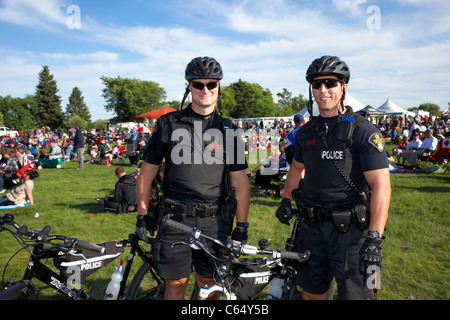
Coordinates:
(244,278)
(257,280)
(37,270)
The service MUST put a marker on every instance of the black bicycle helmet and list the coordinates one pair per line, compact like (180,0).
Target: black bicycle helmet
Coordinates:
(328,65)
(203,68)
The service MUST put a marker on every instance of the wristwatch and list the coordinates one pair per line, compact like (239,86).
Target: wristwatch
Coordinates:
(375,235)
(242,225)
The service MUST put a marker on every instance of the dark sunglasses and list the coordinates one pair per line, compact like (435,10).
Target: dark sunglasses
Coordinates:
(209,85)
(328,82)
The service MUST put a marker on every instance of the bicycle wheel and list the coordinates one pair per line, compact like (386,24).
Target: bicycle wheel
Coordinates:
(146,285)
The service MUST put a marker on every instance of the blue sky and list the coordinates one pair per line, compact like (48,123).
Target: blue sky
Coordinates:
(396,49)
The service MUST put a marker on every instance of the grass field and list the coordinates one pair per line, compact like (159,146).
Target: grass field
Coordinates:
(415,262)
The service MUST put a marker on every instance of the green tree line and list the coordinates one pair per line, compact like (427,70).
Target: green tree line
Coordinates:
(127,98)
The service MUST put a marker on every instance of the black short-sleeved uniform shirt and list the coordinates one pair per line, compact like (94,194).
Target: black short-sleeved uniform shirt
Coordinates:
(195,149)
(327,160)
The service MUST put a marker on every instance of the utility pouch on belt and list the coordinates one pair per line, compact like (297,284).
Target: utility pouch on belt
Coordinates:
(360,216)
(341,219)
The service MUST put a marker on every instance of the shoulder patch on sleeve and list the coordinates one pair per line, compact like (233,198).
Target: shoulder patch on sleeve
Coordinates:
(377,141)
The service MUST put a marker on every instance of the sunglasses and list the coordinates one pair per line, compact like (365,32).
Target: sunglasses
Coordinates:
(209,85)
(328,82)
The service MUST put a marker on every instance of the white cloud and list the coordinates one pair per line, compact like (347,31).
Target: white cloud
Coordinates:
(95,56)
(350,7)
(34,14)
(268,42)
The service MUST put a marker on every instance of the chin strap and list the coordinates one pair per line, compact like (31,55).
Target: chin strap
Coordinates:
(186,93)
(310,103)
(341,104)
(219,103)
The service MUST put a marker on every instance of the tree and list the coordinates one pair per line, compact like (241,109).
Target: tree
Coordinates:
(128,98)
(242,99)
(434,109)
(17,112)
(289,105)
(48,103)
(77,120)
(76,106)
(173,104)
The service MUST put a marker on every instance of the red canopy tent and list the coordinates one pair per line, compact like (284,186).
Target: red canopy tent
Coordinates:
(155,114)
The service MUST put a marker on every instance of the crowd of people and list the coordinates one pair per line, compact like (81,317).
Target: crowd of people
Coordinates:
(414,138)
(23,153)
(338,178)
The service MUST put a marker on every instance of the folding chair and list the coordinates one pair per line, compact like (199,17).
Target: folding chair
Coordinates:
(441,156)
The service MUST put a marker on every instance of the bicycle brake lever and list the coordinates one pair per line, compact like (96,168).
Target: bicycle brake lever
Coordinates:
(180,242)
(78,255)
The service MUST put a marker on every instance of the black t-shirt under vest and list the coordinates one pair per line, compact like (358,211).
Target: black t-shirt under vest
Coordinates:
(330,164)
(195,152)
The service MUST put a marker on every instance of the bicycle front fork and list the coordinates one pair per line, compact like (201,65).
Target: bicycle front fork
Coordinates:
(205,291)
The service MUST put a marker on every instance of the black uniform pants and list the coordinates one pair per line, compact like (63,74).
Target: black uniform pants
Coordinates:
(178,261)
(332,254)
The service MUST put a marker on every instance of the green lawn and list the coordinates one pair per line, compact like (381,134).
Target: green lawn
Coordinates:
(415,263)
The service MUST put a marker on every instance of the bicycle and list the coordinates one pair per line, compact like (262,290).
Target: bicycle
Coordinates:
(76,259)
(244,278)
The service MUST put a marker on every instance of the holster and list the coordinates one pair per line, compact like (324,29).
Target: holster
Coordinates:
(228,211)
(305,211)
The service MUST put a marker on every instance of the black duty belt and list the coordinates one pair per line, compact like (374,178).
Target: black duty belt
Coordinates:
(322,214)
(192,210)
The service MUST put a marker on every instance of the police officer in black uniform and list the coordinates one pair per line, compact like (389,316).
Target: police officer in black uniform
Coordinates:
(204,184)
(339,180)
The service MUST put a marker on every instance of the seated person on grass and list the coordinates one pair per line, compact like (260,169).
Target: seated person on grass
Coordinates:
(269,170)
(125,195)
(55,151)
(23,193)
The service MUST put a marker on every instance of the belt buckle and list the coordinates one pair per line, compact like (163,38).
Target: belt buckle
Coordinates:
(322,215)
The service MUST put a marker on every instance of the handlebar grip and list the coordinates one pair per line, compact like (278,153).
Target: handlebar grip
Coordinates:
(177,225)
(301,257)
(90,246)
(43,234)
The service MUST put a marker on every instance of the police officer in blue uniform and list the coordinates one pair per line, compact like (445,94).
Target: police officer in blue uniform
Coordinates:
(204,183)
(339,180)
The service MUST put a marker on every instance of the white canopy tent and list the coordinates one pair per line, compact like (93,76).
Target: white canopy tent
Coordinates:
(391,108)
(348,101)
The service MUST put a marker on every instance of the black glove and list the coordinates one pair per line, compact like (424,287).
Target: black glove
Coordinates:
(240,234)
(142,224)
(370,254)
(284,211)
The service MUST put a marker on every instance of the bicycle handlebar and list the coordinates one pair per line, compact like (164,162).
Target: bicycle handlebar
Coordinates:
(44,235)
(243,249)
